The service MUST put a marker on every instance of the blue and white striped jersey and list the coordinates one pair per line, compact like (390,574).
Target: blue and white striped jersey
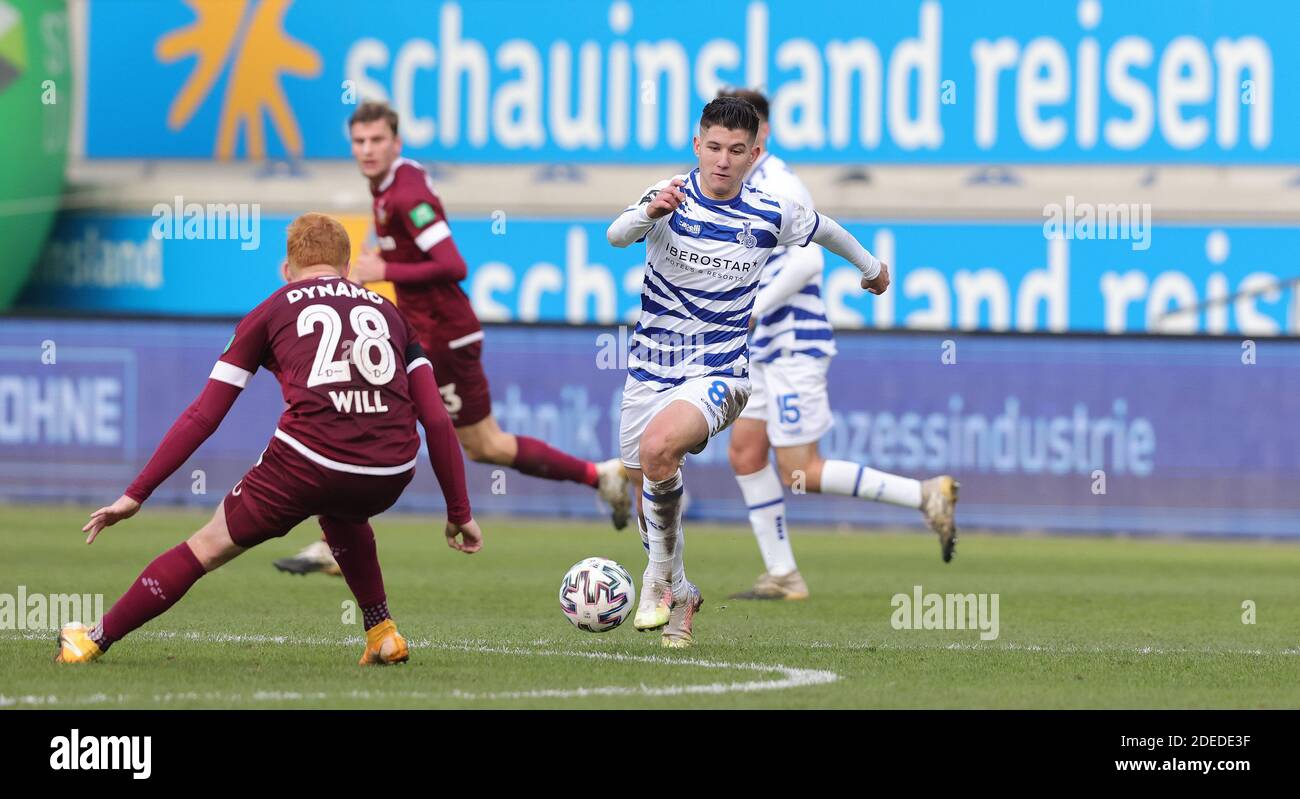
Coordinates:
(703,264)
(799,326)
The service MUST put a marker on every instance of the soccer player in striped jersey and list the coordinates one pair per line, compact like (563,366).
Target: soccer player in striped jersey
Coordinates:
(789,410)
(708,235)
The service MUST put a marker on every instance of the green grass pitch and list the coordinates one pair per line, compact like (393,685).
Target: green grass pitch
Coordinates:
(1083,622)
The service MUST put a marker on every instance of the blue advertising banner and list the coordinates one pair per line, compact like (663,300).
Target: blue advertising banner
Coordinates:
(1091,434)
(1010,81)
(995,276)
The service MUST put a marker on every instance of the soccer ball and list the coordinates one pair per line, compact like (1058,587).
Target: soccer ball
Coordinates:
(597,595)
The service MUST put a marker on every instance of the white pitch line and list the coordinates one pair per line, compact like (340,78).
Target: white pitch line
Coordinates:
(791,677)
(491,648)
(1070,649)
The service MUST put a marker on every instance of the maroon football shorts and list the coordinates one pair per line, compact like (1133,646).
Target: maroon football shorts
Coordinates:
(284,489)
(463,384)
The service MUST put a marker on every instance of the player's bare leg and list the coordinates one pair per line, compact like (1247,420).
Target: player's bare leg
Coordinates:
(486,442)
(765,497)
(935,498)
(353,544)
(677,429)
(162,583)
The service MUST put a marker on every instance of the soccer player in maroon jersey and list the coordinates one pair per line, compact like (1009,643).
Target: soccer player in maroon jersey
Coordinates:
(355,381)
(418,255)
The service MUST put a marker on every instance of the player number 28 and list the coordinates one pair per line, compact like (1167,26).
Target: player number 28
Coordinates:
(372,353)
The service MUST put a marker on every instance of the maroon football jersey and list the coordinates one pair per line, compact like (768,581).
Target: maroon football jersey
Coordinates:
(341,354)
(409,221)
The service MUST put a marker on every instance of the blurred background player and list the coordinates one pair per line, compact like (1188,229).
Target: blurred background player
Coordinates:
(708,235)
(418,256)
(789,409)
(344,449)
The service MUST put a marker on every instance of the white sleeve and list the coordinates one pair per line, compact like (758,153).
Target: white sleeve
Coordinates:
(798,223)
(634,223)
(801,265)
(835,238)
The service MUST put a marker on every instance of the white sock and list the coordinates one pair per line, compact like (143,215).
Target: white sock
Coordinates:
(855,480)
(766,500)
(662,507)
(679,563)
(648,575)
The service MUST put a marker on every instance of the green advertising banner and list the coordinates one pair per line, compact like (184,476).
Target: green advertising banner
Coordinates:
(35,104)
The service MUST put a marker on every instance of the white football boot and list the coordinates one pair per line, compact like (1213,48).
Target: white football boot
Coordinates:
(613,491)
(316,557)
(679,632)
(655,606)
(939,506)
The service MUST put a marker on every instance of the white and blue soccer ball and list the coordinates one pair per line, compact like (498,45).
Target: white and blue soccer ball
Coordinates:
(597,595)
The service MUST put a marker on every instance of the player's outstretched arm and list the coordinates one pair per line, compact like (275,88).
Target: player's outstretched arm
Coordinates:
(658,201)
(186,435)
(447,459)
(471,538)
(831,235)
(123,508)
(444,265)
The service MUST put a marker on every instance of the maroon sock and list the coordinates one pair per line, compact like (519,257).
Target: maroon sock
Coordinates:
(161,585)
(539,459)
(353,545)
(375,614)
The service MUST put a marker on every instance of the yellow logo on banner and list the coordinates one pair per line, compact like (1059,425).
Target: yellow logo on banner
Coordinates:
(259,57)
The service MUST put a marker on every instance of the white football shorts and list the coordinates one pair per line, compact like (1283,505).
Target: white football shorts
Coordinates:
(789,393)
(720,400)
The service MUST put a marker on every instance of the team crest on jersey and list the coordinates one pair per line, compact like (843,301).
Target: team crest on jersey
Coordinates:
(747,240)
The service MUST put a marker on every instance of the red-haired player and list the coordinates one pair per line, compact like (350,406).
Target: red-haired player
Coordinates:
(355,381)
(418,255)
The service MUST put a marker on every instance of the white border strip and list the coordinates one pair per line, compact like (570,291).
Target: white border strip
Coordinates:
(339,466)
(79,44)
(433,235)
(457,343)
(229,373)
